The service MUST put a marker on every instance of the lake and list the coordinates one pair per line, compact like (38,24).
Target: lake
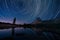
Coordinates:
(27,31)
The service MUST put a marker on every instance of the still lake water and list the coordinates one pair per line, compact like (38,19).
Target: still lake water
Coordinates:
(7,32)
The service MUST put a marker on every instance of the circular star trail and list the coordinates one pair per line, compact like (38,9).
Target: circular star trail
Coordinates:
(29,10)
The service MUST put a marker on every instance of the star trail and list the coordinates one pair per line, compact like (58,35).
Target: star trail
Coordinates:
(28,10)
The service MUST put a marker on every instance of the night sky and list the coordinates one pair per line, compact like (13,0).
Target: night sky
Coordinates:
(26,11)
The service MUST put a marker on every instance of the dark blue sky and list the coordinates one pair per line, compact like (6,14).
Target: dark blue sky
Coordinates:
(28,10)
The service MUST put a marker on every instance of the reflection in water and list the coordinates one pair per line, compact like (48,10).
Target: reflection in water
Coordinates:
(27,31)
(5,33)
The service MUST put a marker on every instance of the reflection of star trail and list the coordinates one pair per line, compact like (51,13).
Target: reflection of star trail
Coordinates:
(28,10)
